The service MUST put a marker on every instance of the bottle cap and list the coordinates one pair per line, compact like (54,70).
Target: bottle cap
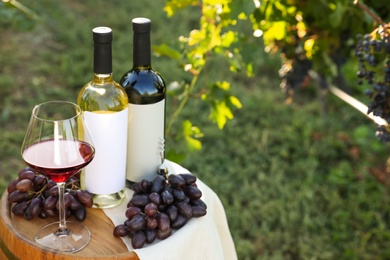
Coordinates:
(141,25)
(102,34)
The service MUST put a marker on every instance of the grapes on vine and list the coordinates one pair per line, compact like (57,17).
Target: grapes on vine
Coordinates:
(373,53)
(160,206)
(33,195)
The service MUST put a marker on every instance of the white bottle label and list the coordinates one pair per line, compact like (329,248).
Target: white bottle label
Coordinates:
(106,174)
(145,136)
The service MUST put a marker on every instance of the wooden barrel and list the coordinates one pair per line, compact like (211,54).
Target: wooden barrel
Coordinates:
(17,238)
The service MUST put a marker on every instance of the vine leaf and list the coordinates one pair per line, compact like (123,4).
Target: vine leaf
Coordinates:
(192,134)
(221,103)
(173,5)
(165,50)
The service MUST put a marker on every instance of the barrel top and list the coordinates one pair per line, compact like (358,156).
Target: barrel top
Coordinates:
(17,237)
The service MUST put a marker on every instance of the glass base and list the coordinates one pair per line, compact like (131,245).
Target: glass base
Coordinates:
(106,201)
(73,239)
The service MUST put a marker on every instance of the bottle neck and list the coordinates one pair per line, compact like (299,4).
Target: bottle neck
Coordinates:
(141,50)
(102,78)
(102,59)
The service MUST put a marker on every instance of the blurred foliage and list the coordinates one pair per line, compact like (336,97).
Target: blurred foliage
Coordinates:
(14,14)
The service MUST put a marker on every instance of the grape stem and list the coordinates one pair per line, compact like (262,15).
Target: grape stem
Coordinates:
(368,11)
(182,103)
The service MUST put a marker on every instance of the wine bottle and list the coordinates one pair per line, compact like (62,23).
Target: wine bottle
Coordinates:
(146,90)
(104,104)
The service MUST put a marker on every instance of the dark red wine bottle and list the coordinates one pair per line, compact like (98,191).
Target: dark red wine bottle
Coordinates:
(146,91)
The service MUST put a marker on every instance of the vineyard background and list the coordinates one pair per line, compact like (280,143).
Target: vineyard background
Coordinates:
(303,180)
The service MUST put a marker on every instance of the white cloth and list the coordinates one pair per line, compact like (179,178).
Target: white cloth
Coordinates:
(207,237)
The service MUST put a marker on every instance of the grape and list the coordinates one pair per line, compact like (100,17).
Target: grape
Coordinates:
(150,209)
(84,197)
(43,214)
(19,208)
(51,184)
(139,200)
(132,211)
(163,221)
(166,197)
(176,180)
(17,196)
(178,194)
(189,178)
(12,186)
(24,185)
(158,207)
(137,223)
(80,214)
(53,191)
(26,173)
(121,231)
(163,234)
(49,212)
(139,240)
(179,222)
(145,186)
(32,195)
(158,184)
(136,187)
(151,223)
(193,192)
(50,202)
(172,212)
(150,235)
(40,180)
(33,209)
(75,204)
(155,198)
(198,211)
(198,202)
(184,209)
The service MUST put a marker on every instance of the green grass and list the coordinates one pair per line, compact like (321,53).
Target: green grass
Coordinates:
(295,184)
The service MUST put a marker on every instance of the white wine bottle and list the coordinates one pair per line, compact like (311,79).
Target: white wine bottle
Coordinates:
(104,104)
(146,91)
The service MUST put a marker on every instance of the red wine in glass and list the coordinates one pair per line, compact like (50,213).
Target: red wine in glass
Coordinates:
(42,157)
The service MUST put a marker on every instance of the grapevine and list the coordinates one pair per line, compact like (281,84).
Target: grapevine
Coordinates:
(373,53)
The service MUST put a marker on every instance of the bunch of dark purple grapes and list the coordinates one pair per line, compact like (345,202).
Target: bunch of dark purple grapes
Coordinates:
(373,53)
(159,206)
(32,195)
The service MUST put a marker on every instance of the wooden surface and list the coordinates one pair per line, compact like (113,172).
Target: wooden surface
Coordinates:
(17,238)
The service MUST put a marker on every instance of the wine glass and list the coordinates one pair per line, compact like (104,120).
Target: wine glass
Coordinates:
(58,145)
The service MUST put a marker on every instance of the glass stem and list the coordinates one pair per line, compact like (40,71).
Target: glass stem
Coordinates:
(62,229)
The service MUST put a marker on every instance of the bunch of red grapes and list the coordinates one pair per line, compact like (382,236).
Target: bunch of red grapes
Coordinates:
(160,206)
(32,195)
(373,53)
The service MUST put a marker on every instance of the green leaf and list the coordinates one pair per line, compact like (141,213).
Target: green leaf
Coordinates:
(191,134)
(336,17)
(241,6)
(235,101)
(196,36)
(173,5)
(277,31)
(220,112)
(165,50)
(223,85)
(228,38)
